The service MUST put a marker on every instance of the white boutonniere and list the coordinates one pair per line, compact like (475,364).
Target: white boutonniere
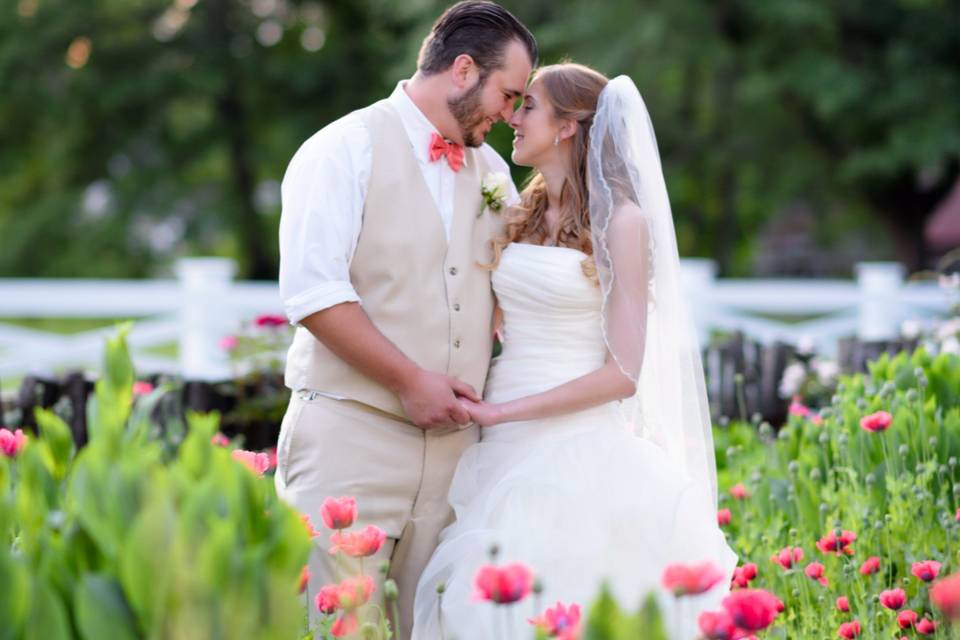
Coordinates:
(494,188)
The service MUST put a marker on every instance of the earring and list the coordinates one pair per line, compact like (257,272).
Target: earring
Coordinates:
(556,140)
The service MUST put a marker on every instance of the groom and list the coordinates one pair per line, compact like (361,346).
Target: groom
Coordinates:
(380,241)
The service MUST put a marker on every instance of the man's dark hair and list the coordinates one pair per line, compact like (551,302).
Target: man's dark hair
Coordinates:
(478,28)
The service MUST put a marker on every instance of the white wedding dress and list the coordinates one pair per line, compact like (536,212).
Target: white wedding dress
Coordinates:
(579,498)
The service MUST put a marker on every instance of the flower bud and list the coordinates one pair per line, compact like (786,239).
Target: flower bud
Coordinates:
(390,591)
(793,467)
(903,450)
(815,474)
(823,438)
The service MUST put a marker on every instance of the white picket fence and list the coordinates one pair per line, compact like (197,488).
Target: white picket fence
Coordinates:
(203,304)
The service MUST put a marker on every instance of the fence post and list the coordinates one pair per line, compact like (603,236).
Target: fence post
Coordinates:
(205,316)
(699,276)
(879,308)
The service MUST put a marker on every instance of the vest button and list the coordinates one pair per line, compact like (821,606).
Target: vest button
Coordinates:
(456,306)
(456,343)
(453,271)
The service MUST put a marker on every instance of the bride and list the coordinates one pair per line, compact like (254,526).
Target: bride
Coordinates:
(595,463)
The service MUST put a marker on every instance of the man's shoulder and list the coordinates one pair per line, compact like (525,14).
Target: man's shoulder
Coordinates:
(345,132)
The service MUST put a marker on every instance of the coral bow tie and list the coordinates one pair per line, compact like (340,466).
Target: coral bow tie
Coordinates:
(440,147)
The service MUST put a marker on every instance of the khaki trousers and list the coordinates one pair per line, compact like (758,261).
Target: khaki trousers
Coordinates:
(399,474)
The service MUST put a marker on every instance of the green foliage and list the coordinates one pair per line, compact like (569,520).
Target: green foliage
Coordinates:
(897,489)
(606,621)
(127,540)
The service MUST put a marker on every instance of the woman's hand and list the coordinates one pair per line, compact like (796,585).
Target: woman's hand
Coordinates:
(484,414)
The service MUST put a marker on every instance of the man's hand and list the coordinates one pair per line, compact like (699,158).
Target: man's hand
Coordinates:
(430,400)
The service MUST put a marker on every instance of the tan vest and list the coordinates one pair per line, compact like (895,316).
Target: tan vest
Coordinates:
(431,300)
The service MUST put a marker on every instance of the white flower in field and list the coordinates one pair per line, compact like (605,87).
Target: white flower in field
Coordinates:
(827,371)
(494,188)
(910,329)
(951,281)
(805,345)
(950,328)
(950,345)
(793,377)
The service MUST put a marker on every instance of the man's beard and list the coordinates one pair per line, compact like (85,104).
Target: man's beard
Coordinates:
(468,113)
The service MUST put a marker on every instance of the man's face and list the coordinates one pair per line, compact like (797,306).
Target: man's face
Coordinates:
(481,105)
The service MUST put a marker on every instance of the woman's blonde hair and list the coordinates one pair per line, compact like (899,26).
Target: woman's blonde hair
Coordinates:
(573,91)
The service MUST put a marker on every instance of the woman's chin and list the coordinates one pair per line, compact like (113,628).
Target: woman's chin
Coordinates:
(519,159)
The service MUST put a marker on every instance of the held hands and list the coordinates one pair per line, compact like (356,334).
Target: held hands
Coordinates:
(430,399)
(483,413)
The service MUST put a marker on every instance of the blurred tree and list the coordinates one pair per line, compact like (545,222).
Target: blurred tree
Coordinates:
(132,131)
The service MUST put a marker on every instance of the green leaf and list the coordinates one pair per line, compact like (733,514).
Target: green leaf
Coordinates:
(48,615)
(146,560)
(57,436)
(101,610)
(14,600)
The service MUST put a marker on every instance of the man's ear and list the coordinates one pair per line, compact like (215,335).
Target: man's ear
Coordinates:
(463,71)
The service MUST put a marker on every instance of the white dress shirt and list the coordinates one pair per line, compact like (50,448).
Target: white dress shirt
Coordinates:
(323,193)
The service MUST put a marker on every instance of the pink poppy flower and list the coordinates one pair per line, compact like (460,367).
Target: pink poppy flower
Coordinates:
(814,571)
(559,622)
(355,592)
(220,440)
(739,492)
(907,618)
(339,513)
(945,594)
(256,462)
(876,422)
(752,609)
(893,599)
(685,580)
(797,408)
(358,544)
(788,556)
(304,578)
(308,525)
(926,570)
(723,517)
(345,625)
(328,599)
(228,343)
(849,629)
(830,543)
(503,585)
(743,575)
(716,625)
(843,604)
(870,566)
(142,388)
(269,320)
(12,442)
(926,627)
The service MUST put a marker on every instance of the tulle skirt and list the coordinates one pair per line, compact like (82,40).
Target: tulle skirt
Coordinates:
(582,502)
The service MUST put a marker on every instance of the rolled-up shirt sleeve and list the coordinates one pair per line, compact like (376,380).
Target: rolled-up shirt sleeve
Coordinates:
(322,194)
